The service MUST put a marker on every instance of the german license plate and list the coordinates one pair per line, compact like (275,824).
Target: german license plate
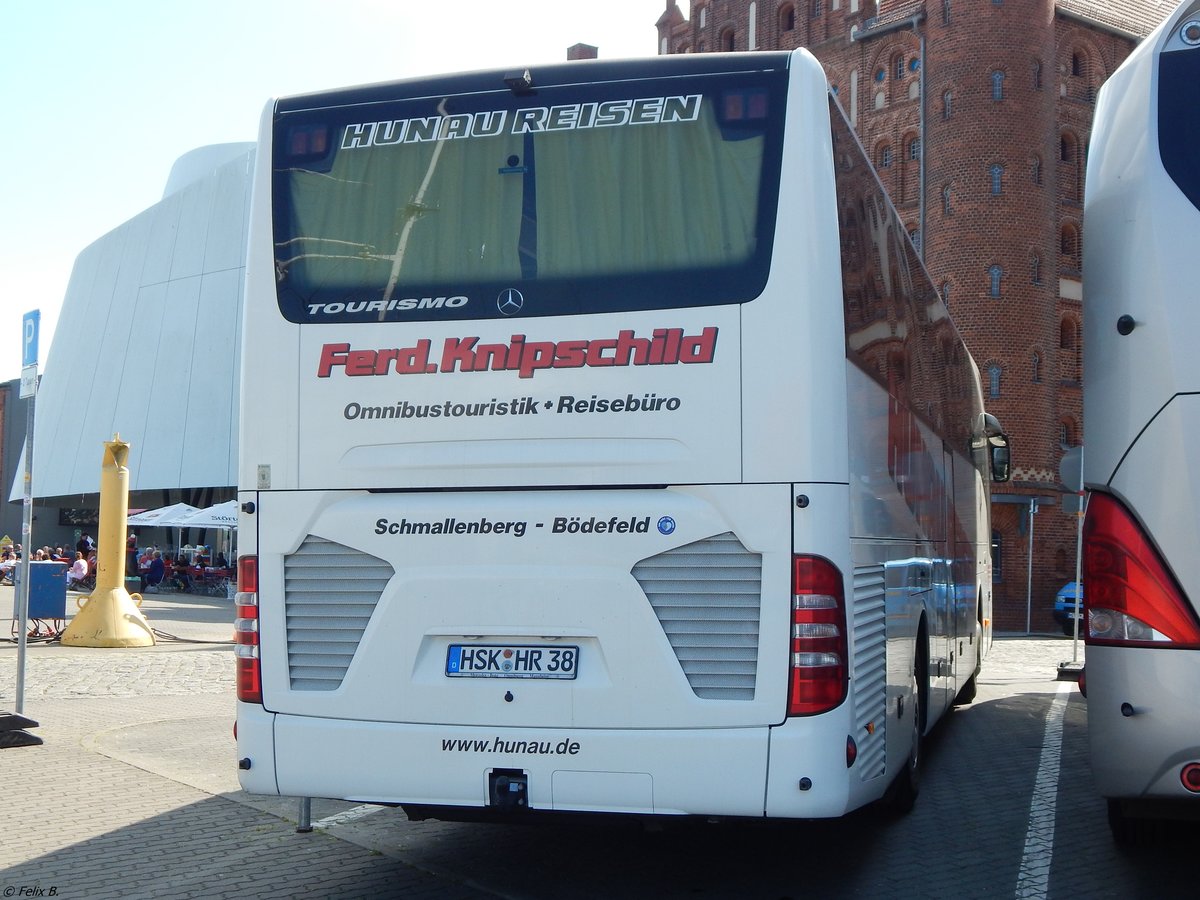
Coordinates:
(512,661)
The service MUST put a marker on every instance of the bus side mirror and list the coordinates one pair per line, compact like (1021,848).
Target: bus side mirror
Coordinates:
(1000,458)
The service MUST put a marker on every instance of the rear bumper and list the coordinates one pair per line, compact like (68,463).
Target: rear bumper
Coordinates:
(647,772)
(1141,755)
(714,772)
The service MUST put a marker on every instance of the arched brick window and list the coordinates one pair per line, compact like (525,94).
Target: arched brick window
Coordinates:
(995,276)
(996,172)
(1067,334)
(993,373)
(787,17)
(1069,244)
(1067,147)
(997,85)
(1067,437)
(1070,355)
(728,40)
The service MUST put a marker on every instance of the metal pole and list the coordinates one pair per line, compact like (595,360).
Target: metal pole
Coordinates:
(921,132)
(1029,573)
(26,552)
(1079,513)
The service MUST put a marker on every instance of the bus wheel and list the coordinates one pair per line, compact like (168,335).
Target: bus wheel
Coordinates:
(902,795)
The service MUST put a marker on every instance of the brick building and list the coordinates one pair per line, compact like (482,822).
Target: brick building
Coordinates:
(977,115)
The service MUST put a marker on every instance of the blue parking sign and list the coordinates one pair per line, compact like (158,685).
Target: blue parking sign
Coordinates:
(29,337)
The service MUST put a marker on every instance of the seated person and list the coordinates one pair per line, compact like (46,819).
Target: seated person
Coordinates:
(181,575)
(8,562)
(154,574)
(78,572)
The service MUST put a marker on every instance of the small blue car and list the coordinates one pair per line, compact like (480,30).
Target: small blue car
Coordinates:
(1065,610)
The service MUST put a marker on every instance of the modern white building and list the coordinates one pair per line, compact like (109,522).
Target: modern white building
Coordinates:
(146,347)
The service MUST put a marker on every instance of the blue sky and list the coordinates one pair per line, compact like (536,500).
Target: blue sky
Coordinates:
(101,98)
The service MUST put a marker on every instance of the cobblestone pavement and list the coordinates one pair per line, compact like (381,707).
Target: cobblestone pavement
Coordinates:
(51,674)
(192,656)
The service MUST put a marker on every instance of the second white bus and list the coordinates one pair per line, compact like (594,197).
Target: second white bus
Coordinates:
(606,448)
(1141,396)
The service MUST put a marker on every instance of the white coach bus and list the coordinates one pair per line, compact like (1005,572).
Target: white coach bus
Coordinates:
(1141,398)
(606,448)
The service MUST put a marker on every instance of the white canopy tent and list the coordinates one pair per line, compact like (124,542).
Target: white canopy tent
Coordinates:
(221,515)
(173,516)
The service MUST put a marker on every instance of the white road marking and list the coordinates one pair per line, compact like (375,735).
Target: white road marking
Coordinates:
(350,815)
(1034,877)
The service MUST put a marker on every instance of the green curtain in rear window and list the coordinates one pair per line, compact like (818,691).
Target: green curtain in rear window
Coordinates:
(644,198)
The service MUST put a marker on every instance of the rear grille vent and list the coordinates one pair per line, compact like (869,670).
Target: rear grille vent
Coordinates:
(329,594)
(707,598)
(869,678)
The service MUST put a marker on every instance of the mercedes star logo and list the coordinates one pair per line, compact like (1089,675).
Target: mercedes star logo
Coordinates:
(510,302)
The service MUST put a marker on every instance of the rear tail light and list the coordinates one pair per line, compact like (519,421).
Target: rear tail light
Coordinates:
(245,629)
(1190,776)
(1130,599)
(819,649)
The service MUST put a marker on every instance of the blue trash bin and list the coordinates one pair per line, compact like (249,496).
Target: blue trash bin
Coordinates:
(47,590)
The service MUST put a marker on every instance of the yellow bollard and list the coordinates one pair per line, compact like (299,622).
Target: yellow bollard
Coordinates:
(110,617)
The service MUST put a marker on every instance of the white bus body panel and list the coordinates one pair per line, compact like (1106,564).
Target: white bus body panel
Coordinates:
(1140,755)
(541,588)
(1142,417)
(501,428)
(1141,237)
